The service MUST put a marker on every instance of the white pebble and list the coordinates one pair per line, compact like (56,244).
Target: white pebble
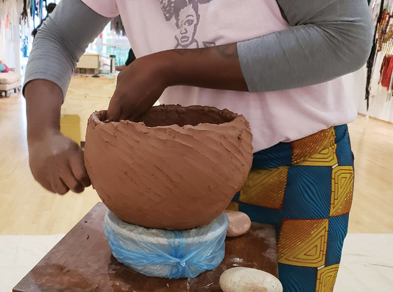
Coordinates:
(249,280)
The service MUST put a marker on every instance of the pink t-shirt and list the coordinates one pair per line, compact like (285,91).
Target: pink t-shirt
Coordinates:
(279,116)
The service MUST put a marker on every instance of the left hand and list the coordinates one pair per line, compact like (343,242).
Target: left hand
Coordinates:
(139,86)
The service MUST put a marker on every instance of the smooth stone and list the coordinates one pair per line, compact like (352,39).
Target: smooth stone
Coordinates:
(242,279)
(239,223)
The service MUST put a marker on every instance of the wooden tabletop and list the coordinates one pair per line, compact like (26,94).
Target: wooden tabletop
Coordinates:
(82,262)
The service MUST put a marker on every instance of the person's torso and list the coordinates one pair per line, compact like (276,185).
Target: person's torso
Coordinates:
(280,116)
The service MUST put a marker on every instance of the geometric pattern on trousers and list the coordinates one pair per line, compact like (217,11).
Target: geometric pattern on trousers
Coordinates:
(265,187)
(326,278)
(303,242)
(342,190)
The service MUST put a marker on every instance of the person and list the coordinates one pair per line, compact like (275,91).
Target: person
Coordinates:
(131,58)
(278,62)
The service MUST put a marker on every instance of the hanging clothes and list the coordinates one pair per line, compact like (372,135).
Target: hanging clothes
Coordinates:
(117,26)
(383,46)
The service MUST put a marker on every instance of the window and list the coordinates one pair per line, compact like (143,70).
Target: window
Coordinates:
(109,43)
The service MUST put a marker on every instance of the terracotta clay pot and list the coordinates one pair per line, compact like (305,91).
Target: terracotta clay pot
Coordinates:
(176,168)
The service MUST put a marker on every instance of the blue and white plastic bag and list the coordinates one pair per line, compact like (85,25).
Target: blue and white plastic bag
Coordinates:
(167,253)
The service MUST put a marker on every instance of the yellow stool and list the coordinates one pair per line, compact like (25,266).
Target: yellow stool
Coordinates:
(70,127)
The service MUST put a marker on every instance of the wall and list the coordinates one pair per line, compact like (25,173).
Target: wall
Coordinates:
(10,51)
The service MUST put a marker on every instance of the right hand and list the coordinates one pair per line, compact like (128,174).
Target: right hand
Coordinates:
(57,163)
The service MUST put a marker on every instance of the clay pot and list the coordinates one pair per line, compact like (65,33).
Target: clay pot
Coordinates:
(176,168)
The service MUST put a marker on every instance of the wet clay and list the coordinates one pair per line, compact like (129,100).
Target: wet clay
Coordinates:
(239,223)
(174,168)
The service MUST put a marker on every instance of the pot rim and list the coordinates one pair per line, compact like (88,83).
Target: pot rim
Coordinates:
(225,112)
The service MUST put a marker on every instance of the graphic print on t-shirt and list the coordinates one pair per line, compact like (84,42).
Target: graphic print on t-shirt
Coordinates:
(185,14)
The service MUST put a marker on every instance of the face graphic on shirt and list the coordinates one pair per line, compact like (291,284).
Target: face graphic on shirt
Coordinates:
(187,22)
(185,14)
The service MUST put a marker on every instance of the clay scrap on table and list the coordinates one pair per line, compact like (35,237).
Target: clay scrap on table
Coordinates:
(175,168)
(239,223)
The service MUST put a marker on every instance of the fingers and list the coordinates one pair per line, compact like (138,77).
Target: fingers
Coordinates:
(71,175)
(138,87)
(47,180)
(74,175)
(119,109)
(114,111)
(57,163)
(58,186)
(66,180)
(62,180)
(71,183)
(78,169)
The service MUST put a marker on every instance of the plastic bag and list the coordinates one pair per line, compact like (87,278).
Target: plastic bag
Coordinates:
(167,253)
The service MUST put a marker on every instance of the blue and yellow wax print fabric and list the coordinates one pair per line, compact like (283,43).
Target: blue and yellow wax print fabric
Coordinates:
(303,188)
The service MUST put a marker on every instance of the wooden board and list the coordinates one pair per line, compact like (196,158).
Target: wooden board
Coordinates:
(82,262)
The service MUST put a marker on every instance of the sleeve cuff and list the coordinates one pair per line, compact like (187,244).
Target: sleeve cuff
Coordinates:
(44,76)
(97,6)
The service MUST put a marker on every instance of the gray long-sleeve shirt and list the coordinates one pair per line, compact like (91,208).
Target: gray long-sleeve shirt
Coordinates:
(327,39)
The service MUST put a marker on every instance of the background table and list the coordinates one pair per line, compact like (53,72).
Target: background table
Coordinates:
(85,95)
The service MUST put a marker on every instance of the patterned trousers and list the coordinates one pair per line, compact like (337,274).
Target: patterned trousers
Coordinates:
(303,188)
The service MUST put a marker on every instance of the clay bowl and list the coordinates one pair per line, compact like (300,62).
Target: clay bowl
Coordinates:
(175,168)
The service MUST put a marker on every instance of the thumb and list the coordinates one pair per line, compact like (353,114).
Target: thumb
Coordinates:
(77,165)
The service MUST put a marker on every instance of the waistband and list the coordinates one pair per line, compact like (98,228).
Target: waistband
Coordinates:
(293,153)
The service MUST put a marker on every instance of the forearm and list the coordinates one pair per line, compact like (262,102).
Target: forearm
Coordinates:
(142,82)
(43,102)
(56,161)
(214,67)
